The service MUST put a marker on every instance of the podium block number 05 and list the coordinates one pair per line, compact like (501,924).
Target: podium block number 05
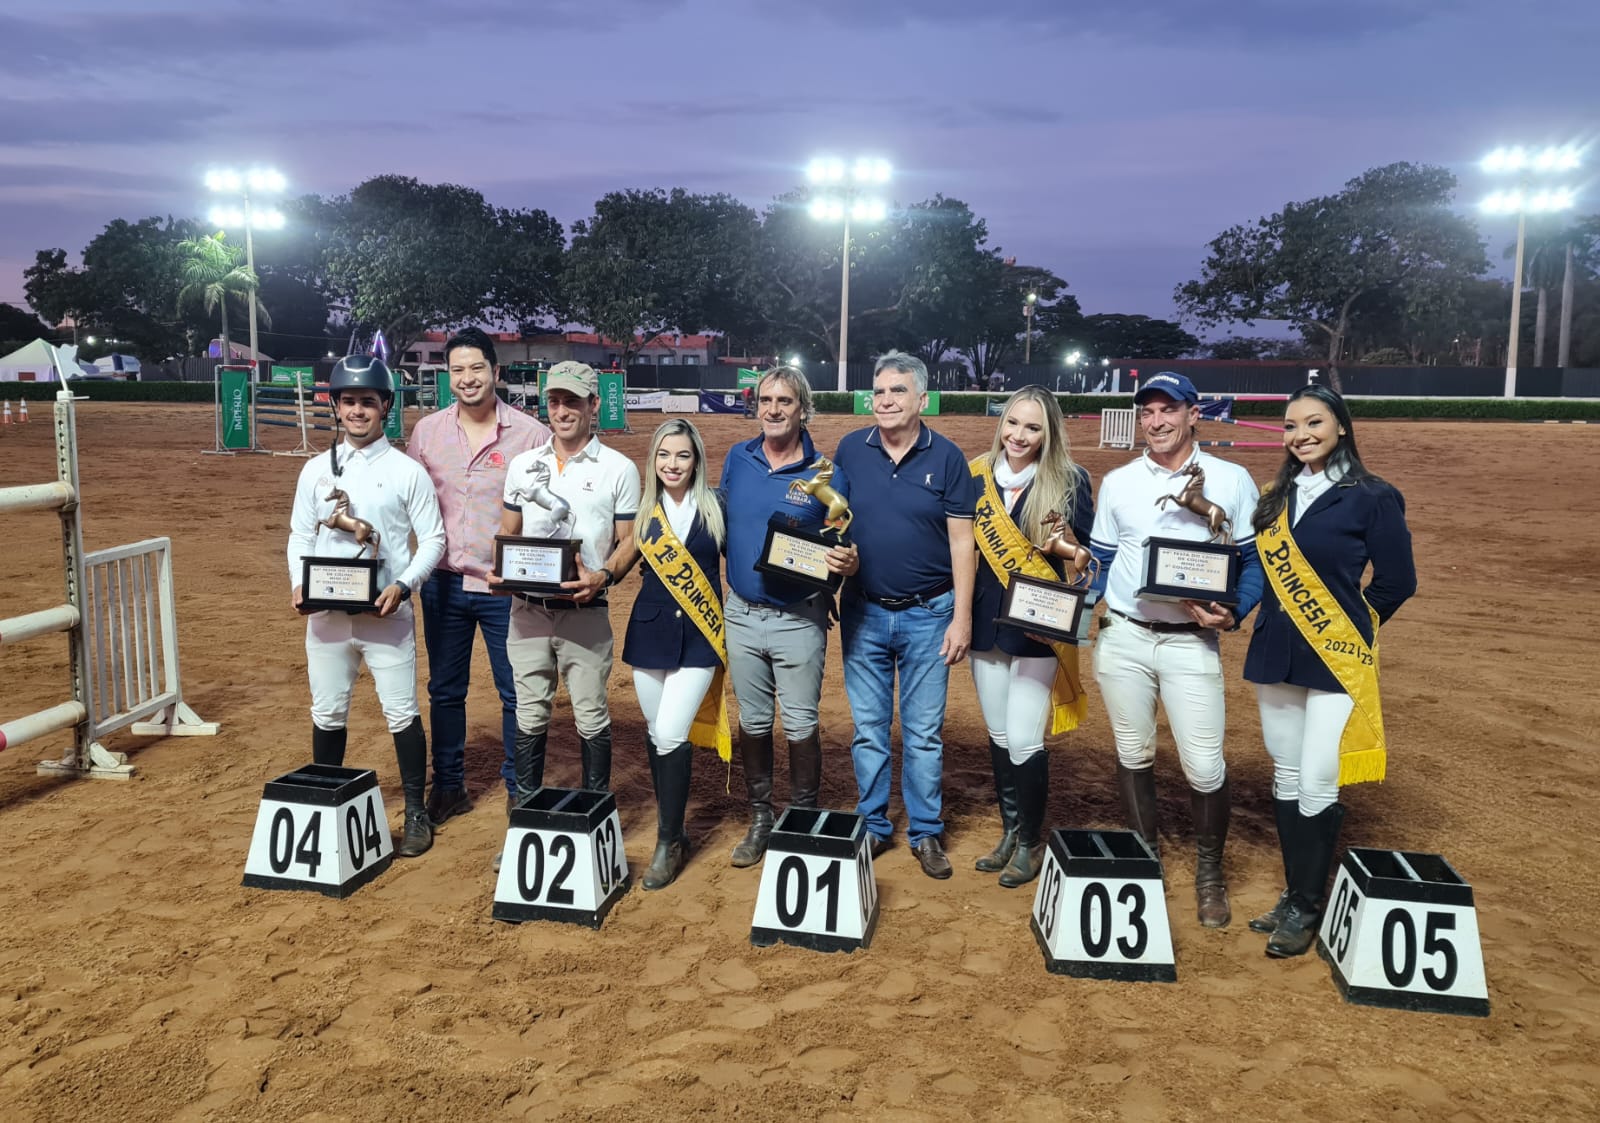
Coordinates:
(1400,949)
(531,860)
(794,885)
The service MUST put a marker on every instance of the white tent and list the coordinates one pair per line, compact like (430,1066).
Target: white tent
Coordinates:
(117,364)
(39,362)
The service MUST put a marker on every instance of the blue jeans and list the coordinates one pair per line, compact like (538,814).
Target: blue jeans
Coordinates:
(878,642)
(450,616)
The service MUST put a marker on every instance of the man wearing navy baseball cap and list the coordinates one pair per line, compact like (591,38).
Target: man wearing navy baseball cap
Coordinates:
(1150,651)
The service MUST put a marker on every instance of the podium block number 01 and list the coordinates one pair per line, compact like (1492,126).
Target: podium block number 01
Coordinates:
(817,889)
(1401,931)
(564,859)
(1100,911)
(320,828)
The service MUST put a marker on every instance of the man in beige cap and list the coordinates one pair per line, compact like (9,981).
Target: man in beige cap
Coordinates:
(568,636)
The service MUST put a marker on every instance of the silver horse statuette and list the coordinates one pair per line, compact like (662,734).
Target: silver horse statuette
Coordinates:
(537,491)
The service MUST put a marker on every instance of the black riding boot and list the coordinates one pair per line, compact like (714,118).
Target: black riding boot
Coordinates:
(1316,837)
(755,756)
(672,801)
(805,770)
(327,745)
(527,762)
(1138,788)
(1032,778)
(411,751)
(1005,794)
(596,752)
(1287,814)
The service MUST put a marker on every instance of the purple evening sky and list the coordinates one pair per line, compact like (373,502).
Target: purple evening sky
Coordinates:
(1108,142)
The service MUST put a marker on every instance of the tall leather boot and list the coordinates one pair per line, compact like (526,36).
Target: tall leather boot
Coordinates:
(1005,795)
(805,769)
(1138,788)
(596,753)
(411,752)
(1316,837)
(755,756)
(1287,814)
(327,745)
(1211,813)
(528,763)
(1032,789)
(672,800)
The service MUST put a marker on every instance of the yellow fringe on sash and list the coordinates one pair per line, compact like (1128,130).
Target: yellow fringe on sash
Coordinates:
(1007,550)
(1323,624)
(687,583)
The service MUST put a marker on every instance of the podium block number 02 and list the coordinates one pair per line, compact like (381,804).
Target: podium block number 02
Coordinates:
(534,857)
(608,855)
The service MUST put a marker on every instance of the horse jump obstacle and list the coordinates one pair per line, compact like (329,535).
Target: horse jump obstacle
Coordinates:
(271,404)
(119,601)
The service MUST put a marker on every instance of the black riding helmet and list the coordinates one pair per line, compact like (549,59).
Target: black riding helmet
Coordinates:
(361,372)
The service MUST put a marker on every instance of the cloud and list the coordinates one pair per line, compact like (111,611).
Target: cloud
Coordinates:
(52,121)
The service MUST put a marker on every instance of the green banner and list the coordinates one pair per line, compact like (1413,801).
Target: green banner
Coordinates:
(863,403)
(613,400)
(748,378)
(233,391)
(394,425)
(286,376)
(443,397)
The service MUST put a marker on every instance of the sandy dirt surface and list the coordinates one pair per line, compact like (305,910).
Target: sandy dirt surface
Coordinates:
(138,980)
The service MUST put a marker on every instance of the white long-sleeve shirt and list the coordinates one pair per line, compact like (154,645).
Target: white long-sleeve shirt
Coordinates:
(388,490)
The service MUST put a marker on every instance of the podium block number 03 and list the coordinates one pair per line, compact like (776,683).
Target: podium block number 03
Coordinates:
(533,863)
(1098,924)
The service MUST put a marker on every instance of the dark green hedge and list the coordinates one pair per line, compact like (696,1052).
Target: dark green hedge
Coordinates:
(106,390)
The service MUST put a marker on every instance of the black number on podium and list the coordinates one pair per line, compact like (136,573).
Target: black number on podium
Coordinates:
(1400,963)
(1399,974)
(562,848)
(533,842)
(363,838)
(374,838)
(793,870)
(1132,895)
(283,850)
(1050,902)
(1435,944)
(1096,902)
(1344,918)
(864,882)
(605,850)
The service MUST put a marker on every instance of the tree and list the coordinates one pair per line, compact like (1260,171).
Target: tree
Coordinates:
(211,273)
(15,324)
(1245,348)
(57,291)
(1389,230)
(950,272)
(1114,336)
(1001,322)
(406,257)
(649,262)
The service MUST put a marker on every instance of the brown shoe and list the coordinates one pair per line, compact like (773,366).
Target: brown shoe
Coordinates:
(930,855)
(445,803)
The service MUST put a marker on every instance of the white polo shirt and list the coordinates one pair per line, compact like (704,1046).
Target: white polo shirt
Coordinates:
(388,490)
(1126,514)
(600,483)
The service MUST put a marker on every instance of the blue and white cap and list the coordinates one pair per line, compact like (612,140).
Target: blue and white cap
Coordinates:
(1173,385)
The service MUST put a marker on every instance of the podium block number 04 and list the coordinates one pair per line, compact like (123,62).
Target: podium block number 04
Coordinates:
(532,865)
(288,845)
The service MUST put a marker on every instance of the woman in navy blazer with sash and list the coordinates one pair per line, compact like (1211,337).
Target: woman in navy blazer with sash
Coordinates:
(1342,519)
(673,663)
(1035,476)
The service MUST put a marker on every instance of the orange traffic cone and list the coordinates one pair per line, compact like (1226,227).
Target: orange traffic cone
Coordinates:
(22,416)
(5,418)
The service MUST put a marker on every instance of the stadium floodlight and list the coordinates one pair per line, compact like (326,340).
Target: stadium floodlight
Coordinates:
(256,181)
(842,199)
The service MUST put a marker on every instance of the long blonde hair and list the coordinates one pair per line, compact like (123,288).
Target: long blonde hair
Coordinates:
(705,500)
(1055,479)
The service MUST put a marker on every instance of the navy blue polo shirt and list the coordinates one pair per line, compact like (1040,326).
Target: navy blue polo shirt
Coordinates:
(754,496)
(900,510)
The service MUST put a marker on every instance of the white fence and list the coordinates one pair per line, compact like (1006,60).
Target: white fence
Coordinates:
(1116,428)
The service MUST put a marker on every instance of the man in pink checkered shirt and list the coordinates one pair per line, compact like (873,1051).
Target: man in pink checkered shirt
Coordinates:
(465,450)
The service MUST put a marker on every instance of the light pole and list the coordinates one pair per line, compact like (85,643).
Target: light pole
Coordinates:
(1027,318)
(262,181)
(843,198)
(1521,200)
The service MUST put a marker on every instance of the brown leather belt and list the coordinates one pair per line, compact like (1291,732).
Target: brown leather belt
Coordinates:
(1155,625)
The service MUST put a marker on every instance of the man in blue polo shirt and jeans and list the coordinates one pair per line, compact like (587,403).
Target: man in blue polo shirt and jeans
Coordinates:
(777,630)
(909,609)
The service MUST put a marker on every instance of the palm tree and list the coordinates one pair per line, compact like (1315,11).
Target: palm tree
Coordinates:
(211,273)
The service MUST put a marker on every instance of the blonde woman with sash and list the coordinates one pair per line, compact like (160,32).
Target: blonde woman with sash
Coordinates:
(1314,653)
(1026,687)
(675,641)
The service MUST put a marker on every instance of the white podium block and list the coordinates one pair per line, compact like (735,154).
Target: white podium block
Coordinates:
(1100,911)
(322,828)
(1401,931)
(817,890)
(563,859)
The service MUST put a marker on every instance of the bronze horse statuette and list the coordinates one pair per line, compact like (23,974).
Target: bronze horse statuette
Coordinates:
(1060,543)
(820,488)
(342,519)
(1192,498)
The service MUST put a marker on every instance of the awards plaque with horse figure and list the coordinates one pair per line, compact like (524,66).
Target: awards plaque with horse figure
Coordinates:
(1180,569)
(534,563)
(799,554)
(1052,609)
(342,584)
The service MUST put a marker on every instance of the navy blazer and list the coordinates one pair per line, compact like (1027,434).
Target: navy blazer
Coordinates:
(661,637)
(987,633)
(1346,527)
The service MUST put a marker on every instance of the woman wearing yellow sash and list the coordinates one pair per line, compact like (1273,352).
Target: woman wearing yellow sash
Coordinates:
(675,642)
(1314,653)
(1027,476)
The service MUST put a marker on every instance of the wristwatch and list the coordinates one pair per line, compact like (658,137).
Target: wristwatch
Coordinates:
(405,590)
(611,578)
